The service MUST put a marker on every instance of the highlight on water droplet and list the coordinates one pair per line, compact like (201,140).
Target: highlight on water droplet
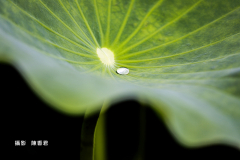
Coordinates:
(123,70)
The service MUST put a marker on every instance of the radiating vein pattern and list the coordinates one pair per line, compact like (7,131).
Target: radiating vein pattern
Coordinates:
(161,28)
(160,41)
(183,58)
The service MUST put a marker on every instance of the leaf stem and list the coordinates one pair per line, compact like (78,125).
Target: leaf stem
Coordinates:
(92,135)
(99,143)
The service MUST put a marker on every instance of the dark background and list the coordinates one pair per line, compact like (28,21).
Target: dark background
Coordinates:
(26,117)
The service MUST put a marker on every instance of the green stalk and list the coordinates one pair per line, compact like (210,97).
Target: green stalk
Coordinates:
(93,135)
(99,144)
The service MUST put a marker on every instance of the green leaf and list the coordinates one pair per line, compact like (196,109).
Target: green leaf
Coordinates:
(183,57)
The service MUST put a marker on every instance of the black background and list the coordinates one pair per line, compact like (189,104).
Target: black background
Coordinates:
(26,117)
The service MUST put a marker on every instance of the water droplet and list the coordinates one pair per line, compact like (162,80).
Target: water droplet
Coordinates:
(122,70)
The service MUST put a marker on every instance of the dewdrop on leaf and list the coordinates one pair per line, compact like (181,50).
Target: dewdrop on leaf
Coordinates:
(123,71)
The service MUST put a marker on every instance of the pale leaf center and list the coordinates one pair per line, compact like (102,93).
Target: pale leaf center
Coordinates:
(106,56)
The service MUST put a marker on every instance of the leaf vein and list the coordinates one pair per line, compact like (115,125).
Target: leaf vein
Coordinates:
(108,22)
(140,25)
(221,57)
(86,22)
(186,35)
(123,23)
(186,72)
(35,19)
(65,24)
(161,28)
(60,1)
(99,22)
(157,58)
